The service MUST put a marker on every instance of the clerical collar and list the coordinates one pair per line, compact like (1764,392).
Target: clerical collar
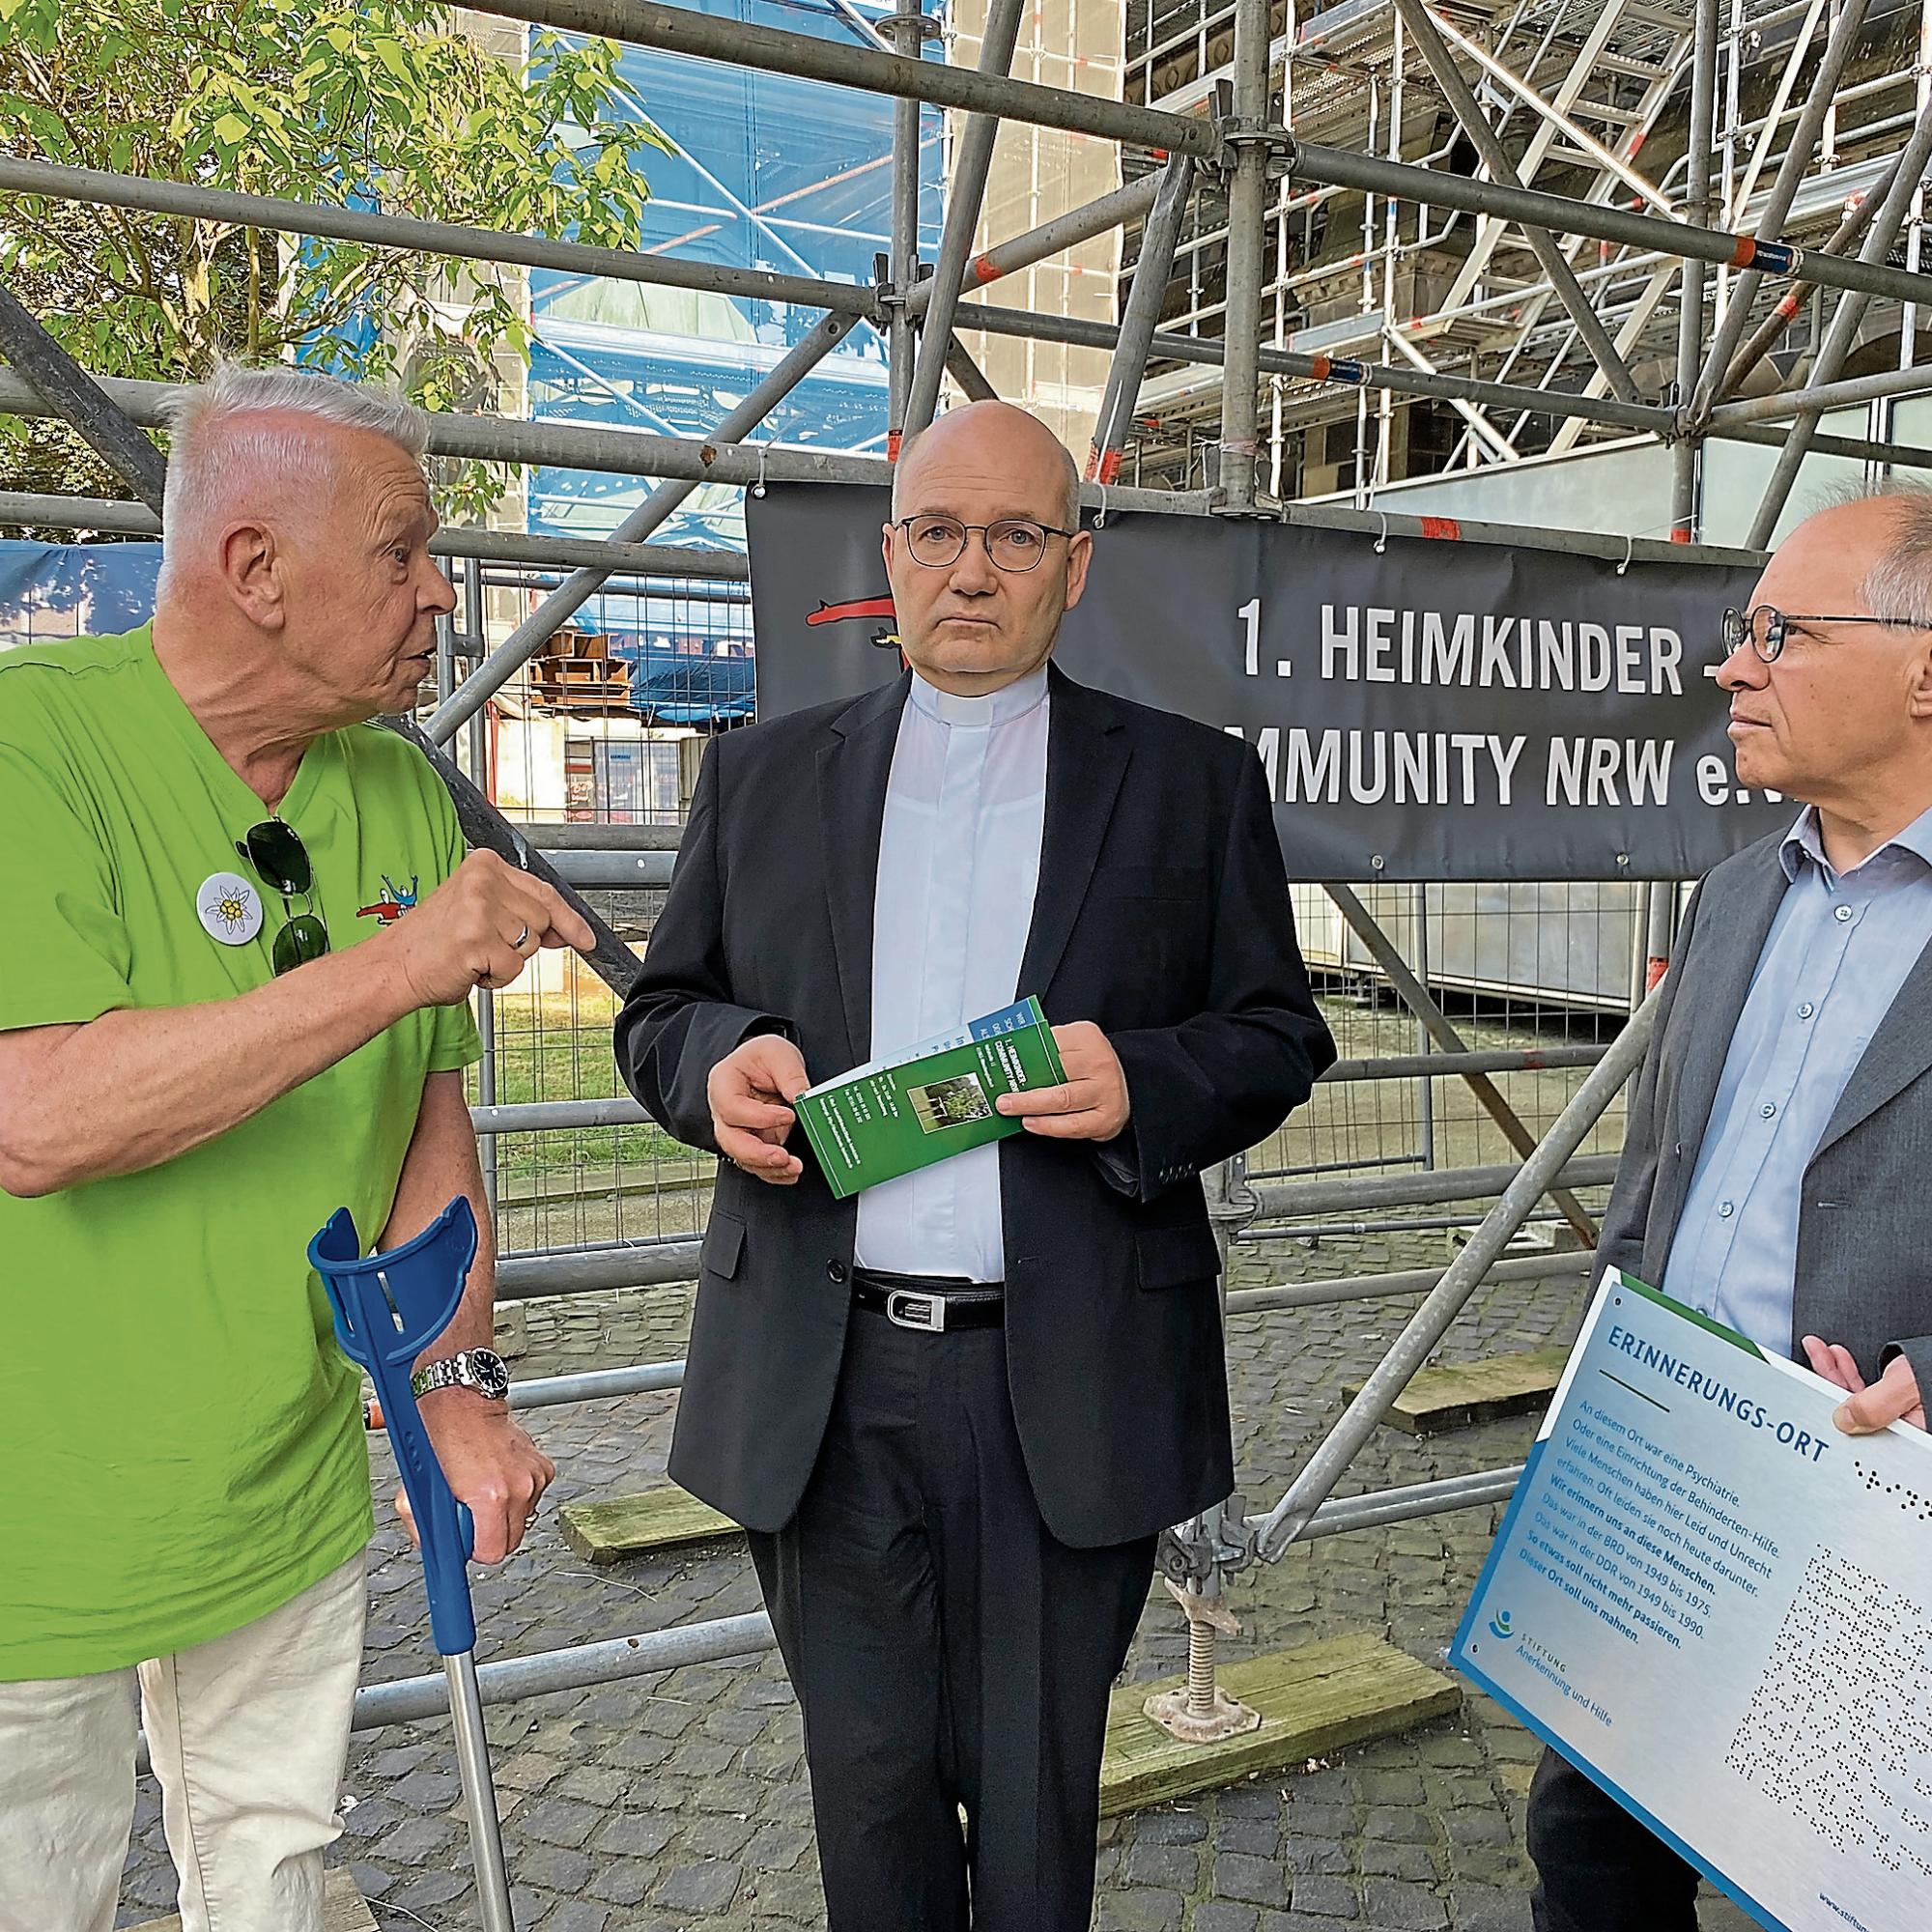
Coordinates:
(999,707)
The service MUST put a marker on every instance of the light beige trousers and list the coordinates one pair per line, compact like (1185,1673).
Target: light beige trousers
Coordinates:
(247,1735)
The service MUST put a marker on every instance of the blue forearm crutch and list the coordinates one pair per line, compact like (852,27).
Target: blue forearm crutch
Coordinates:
(388,1308)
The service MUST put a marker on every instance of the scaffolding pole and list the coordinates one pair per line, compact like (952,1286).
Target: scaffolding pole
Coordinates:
(1062,231)
(526,1117)
(1690,284)
(679,30)
(1778,204)
(1764,338)
(1858,448)
(1849,394)
(1340,167)
(581,585)
(622,452)
(1207,351)
(1842,333)
(99,189)
(23,509)
(378,230)
(908,32)
(971,161)
(558,445)
(1247,133)
(1005,258)
(975,384)
(1138,317)
(617,1660)
(1211,352)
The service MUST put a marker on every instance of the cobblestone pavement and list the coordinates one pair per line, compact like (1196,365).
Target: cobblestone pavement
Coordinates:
(679,1800)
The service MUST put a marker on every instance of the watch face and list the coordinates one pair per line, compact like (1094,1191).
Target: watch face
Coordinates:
(493,1379)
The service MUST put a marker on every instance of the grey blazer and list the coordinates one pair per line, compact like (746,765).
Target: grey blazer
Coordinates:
(1864,1226)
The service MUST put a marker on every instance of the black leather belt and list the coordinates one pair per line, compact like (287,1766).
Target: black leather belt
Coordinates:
(936,1304)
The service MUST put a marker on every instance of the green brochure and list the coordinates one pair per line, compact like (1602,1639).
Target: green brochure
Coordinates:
(887,1118)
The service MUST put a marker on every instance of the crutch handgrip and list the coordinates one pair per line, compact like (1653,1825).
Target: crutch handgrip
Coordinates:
(388,1308)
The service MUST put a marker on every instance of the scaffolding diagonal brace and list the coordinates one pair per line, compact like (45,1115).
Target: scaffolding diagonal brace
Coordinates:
(1841,332)
(487,830)
(1416,997)
(1139,319)
(1296,1512)
(541,625)
(1778,204)
(1421,22)
(80,401)
(972,163)
(967,373)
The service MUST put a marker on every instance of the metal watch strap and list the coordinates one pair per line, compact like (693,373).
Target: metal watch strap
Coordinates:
(452,1372)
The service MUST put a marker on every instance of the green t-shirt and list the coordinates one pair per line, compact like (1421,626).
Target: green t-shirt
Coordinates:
(182,1436)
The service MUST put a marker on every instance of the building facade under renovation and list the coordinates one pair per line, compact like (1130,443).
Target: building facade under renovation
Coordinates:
(1590,100)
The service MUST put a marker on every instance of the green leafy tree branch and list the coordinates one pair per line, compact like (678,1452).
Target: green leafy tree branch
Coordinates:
(388,103)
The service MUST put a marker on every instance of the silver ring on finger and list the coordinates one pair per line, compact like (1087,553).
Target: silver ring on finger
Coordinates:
(522,939)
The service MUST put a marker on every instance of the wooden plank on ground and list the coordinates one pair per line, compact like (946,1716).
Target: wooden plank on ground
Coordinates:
(1457,1394)
(1314,1698)
(343,1909)
(621,1527)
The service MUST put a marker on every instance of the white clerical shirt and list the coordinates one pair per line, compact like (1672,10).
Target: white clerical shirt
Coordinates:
(958,868)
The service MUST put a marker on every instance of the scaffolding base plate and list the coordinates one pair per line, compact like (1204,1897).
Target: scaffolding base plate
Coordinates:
(343,1909)
(1313,1699)
(1229,1718)
(1458,1394)
(661,1518)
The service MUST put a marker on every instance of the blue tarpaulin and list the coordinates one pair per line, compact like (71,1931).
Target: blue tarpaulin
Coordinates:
(71,590)
(670,689)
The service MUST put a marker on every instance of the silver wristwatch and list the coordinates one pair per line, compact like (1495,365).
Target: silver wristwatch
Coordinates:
(478,1368)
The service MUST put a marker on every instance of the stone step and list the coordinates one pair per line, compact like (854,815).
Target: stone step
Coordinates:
(343,1910)
(621,1527)
(1313,1699)
(1458,1394)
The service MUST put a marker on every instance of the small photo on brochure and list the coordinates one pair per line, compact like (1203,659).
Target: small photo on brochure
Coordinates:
(950,1104)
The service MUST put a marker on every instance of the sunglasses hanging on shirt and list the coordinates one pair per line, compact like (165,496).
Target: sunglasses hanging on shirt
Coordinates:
(281,860)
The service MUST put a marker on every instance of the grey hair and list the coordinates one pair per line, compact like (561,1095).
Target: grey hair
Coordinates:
(205,446)
(1899,582)
(1070,504)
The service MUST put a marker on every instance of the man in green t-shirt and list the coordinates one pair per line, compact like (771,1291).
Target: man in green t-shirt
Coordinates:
(237,935)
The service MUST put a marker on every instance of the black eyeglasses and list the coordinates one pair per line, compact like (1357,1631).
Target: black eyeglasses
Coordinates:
(1015,543)
(282,860)
(1765,627)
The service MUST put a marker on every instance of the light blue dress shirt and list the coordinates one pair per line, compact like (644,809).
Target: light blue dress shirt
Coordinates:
(1838,953)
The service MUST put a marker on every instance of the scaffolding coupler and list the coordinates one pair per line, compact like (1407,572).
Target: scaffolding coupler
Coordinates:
(1238,131)
(1214,1544)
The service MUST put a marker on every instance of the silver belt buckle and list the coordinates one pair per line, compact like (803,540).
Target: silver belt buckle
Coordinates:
(925,1312)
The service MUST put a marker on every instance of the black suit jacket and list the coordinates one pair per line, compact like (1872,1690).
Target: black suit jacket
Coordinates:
(1864,1273)
(1162,916)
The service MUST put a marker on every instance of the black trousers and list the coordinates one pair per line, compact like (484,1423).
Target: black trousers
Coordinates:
(1598,1870)
(947,1650)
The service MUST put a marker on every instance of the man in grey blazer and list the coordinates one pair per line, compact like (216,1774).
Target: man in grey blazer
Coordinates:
(1778,1165)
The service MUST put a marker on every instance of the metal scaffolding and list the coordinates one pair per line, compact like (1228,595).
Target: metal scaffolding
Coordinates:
(1377,229)
(1773,126)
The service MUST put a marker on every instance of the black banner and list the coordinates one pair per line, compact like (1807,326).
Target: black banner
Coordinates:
(1425,709)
